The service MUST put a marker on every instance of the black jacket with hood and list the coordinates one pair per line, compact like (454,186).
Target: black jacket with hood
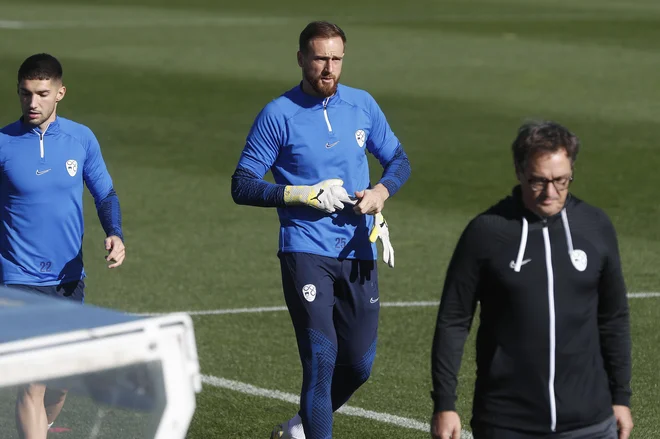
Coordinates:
(553,344)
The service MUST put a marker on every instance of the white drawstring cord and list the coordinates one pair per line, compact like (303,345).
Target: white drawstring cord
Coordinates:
(523,245)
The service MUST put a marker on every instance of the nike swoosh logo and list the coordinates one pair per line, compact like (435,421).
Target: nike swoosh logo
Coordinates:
(372,300)
(512,264)
(330,145)
(42,172)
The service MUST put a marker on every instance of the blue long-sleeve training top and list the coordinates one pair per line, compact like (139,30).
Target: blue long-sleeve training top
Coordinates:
(303,140)
(42,175)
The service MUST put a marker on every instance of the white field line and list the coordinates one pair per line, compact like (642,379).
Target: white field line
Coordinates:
(263,309)
(346,410)
(216,312)
(643,295)
(12,24)
(138,22)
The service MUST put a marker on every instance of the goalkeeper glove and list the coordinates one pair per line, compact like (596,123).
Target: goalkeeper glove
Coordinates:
(328,196)
(380,230)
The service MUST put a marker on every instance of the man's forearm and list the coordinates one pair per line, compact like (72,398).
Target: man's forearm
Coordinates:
(616,351)
(396,172)
(109,212)
(446,357)
(248,189)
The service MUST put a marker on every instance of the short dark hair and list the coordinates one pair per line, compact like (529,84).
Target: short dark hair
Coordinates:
(40,66)
(319,29)
(543,137)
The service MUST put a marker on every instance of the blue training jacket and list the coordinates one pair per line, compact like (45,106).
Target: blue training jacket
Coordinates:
(303,140)
(41,189)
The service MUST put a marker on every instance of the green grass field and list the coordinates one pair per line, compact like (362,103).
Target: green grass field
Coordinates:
(171,88)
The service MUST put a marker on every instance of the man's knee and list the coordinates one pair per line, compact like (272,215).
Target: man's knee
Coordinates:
(31,392)
(321,356)
(360,370)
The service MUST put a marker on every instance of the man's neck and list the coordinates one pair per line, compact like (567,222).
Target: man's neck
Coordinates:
(44,126)
(308,89)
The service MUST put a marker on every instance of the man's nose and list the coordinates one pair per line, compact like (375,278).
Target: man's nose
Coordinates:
(551,190)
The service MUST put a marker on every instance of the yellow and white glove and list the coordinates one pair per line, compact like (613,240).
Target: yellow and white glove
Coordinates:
(328,196)
(380,230)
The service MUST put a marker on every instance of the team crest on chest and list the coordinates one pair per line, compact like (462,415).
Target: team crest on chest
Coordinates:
(579,260)
(360,136)
(72,167)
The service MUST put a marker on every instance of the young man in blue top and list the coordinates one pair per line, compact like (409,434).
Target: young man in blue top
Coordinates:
(44,162)
(314,140)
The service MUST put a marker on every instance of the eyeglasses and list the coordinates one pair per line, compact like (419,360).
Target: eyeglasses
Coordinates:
(560,183)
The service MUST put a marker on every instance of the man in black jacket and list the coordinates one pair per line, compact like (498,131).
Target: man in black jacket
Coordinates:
(553,345)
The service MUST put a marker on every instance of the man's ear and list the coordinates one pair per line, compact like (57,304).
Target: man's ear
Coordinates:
(60,93)
(299,55)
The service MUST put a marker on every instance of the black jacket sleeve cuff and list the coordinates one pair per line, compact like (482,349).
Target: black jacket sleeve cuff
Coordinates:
(621,398)
(443,403)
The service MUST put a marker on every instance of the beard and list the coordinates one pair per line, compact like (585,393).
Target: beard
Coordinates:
(323,89)
(43,117)
(34,122)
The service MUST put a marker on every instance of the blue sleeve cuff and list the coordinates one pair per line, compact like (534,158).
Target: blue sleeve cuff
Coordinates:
(109,213)
(396,172)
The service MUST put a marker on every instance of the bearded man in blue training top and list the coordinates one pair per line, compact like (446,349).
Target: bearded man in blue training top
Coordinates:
(314,139)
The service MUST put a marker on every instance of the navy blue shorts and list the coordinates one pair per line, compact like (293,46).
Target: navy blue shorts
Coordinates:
(337,297)
(70,290)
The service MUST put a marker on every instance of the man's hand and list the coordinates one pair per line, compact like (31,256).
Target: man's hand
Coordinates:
(382,231)
(371,201)
(328,196)
(446,425)
(624,420)
(116,251)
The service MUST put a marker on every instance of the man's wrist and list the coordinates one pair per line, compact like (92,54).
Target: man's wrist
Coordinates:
(382,191)
(117,233)
(295,195)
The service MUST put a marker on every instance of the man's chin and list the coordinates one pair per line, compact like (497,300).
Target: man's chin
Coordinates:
(326,90)
(549,209)
(33,122)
